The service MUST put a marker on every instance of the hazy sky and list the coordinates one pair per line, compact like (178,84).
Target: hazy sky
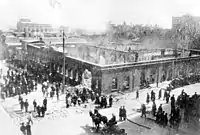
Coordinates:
(93,14)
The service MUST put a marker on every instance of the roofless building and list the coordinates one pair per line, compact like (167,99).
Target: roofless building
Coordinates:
(113,70)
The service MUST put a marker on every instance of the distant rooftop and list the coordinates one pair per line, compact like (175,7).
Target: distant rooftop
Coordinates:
(25,20)
(28,21)
(11,39)
(59,40)
(30,40)
(37,45)
(14,44)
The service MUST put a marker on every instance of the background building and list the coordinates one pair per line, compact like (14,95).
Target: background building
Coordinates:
(33,29)
(180,20)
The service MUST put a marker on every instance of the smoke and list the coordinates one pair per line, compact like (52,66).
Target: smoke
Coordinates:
(154,42)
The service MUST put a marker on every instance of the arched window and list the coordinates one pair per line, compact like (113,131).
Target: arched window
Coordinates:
(142,77)
(152,75)
(60,71)
(114,83)
(126,83)
(76,77)
(66,73)
(71,74)
(97,84)
(133,80)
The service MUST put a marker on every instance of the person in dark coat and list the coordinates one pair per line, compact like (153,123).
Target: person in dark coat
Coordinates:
(182,92)
(120,113)
(66,101)
(20,98)
(165,120)
(51,93)
(22,104)
(101,102)
(162,115)
(26,105)
(112,121)
(160,109)
(38,110)
(143,109)
(177,112)
(35,105)
(172,100)
(153,97)
(157,117)
(74,99)
(79,101)
(23,129)
(92,96)
(97,101)
(57,92)
(137,94)
(159,94)
(147,99)
(43,109)
(195,96)
(154,108)
(83,98)
(105,102)
(45,103)
(28,129)
(167,98)
(152,93)
(123,113)
(110,101)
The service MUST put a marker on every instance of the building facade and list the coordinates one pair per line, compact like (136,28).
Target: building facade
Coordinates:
(116,77)
(33,29)
(181,19)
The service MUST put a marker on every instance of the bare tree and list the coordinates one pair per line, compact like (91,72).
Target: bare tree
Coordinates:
(188,30)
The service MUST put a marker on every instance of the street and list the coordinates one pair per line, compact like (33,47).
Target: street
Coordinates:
(6,125)
(60,120)
(76,121)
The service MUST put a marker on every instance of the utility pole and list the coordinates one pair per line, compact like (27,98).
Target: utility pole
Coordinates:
(157,76)
(63,88)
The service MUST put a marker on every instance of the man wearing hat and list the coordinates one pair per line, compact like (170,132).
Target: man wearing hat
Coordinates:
(23,128)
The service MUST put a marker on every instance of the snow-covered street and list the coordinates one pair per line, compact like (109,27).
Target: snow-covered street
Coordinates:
(6,125)
(76,121)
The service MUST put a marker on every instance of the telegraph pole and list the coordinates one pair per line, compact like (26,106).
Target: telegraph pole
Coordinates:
(157,76)
(63,88)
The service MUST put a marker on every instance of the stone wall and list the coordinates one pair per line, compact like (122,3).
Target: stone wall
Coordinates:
(129,76)
(160,70)
(99,55)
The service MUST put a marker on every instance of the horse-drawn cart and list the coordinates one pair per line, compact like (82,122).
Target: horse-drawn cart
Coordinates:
(114,130)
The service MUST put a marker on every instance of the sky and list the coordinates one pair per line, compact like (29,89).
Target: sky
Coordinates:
(94,14)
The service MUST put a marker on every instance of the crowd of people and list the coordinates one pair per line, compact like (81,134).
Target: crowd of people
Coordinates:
(122,113)
(26,129)
(22,82)
(104,101)
(18,82)
(183,103)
